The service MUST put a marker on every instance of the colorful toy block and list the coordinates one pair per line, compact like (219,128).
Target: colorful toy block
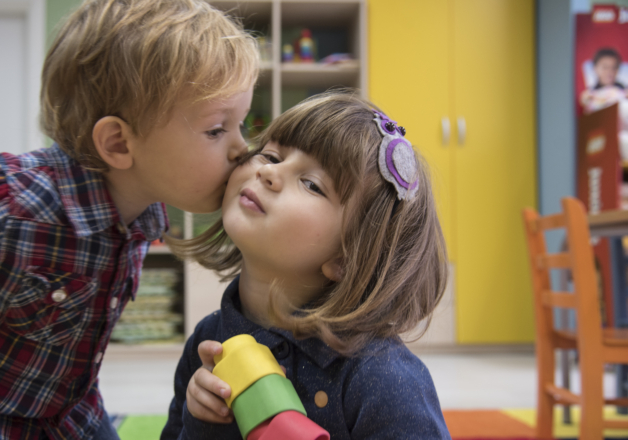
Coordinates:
(264,402)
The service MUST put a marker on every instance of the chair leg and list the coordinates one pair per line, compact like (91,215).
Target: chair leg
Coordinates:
(592,416)
(545,402)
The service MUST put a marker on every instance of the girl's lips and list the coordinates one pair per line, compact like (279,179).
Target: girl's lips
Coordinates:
(249,200)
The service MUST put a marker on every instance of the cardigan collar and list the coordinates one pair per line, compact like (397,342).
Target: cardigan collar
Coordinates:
(235,323)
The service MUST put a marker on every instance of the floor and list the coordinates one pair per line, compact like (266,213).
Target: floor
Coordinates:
(133,382)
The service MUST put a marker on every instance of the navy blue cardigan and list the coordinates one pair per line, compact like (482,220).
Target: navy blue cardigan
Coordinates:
(386,394)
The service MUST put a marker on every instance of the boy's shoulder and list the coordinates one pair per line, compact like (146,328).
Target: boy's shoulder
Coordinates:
(21,171)
(49,186)
(29,187)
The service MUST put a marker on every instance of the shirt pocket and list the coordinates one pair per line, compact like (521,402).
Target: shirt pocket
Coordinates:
(50,305)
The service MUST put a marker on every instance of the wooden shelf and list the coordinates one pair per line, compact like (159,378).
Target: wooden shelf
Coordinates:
(319,75)
(159,250)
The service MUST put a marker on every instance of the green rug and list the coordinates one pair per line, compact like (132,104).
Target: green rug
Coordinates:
(141,427)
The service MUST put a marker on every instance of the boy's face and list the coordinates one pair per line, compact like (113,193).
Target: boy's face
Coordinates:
(186,162)
(282,212)
(606,70)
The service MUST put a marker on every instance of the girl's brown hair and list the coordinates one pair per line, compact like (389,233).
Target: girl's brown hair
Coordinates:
(394,255)
(134,59)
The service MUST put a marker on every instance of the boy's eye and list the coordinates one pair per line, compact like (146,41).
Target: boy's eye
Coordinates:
(215,132)
(244,130)
(313,187)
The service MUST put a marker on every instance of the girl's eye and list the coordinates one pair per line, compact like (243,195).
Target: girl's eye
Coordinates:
(270,158)
(216,132)
(313,187)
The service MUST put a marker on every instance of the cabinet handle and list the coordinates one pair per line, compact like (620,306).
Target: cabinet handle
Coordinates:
(445,126)
(462,130)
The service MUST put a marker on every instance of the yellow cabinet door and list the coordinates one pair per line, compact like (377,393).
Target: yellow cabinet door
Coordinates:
(408,76)
(494,167)
(468,61)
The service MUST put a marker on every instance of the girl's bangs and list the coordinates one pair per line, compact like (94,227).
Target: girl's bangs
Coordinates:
(331,129)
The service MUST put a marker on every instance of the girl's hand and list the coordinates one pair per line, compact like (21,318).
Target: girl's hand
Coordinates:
(206,393)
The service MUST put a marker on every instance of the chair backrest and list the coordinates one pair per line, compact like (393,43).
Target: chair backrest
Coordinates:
(578,258)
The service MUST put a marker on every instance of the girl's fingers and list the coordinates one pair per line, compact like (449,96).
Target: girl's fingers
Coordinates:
(207,350)
(205,405)
(208,381)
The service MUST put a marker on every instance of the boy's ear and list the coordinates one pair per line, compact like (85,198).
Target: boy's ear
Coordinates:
(111,136)
(334,269)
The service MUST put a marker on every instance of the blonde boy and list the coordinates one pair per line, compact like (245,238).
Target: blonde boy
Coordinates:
(144,100)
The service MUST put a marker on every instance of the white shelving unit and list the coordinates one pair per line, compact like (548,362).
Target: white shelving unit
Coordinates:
(280,86)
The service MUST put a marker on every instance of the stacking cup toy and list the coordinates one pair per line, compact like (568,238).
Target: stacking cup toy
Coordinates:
(265,404)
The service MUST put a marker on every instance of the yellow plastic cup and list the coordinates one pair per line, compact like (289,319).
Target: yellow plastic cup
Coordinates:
(242,363)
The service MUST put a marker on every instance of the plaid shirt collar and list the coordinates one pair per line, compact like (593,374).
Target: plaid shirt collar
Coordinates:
(87,202)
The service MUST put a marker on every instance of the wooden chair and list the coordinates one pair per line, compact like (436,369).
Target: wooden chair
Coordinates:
(596,345)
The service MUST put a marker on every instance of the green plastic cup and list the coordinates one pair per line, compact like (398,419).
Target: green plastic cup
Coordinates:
(266,398)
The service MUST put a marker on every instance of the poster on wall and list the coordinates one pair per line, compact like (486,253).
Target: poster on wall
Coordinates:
(601,59)
(601,99)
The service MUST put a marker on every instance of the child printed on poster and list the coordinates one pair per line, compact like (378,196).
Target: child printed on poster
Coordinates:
(606,77)
(602,65)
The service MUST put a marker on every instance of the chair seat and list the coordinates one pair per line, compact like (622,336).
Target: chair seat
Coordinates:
(612,337)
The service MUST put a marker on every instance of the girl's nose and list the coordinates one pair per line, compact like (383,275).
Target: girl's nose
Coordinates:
(270,177)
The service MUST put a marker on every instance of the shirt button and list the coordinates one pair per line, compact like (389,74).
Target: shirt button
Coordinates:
(114,303)
(282,351)
(98,358)
(121,228)
(321,399)
(59,295)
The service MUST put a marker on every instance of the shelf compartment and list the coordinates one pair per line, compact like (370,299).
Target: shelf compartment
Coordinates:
(320,13)
(254,15)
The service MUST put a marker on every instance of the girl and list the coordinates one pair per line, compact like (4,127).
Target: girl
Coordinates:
(330,234)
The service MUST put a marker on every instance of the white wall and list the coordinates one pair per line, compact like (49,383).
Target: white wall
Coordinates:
(22,45)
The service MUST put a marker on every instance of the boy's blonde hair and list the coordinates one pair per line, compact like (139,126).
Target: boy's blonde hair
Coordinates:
(134,59)
(394,255)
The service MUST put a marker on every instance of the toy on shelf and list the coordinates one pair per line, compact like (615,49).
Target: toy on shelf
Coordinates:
(302,49)
(306,47)
(265,48)
(287,53)
(264,402)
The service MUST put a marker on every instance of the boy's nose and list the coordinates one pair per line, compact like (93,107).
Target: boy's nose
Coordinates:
(237,150)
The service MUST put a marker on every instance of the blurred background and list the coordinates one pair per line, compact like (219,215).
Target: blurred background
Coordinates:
(489,91)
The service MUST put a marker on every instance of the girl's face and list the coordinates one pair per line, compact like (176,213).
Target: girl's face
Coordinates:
(281,210)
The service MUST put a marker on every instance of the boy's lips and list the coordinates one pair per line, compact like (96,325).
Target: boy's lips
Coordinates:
(249,199)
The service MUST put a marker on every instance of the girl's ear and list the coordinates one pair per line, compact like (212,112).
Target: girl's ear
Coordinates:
(334,269)
(111,136)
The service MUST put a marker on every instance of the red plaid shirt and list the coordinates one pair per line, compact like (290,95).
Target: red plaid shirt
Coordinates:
(68,266)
